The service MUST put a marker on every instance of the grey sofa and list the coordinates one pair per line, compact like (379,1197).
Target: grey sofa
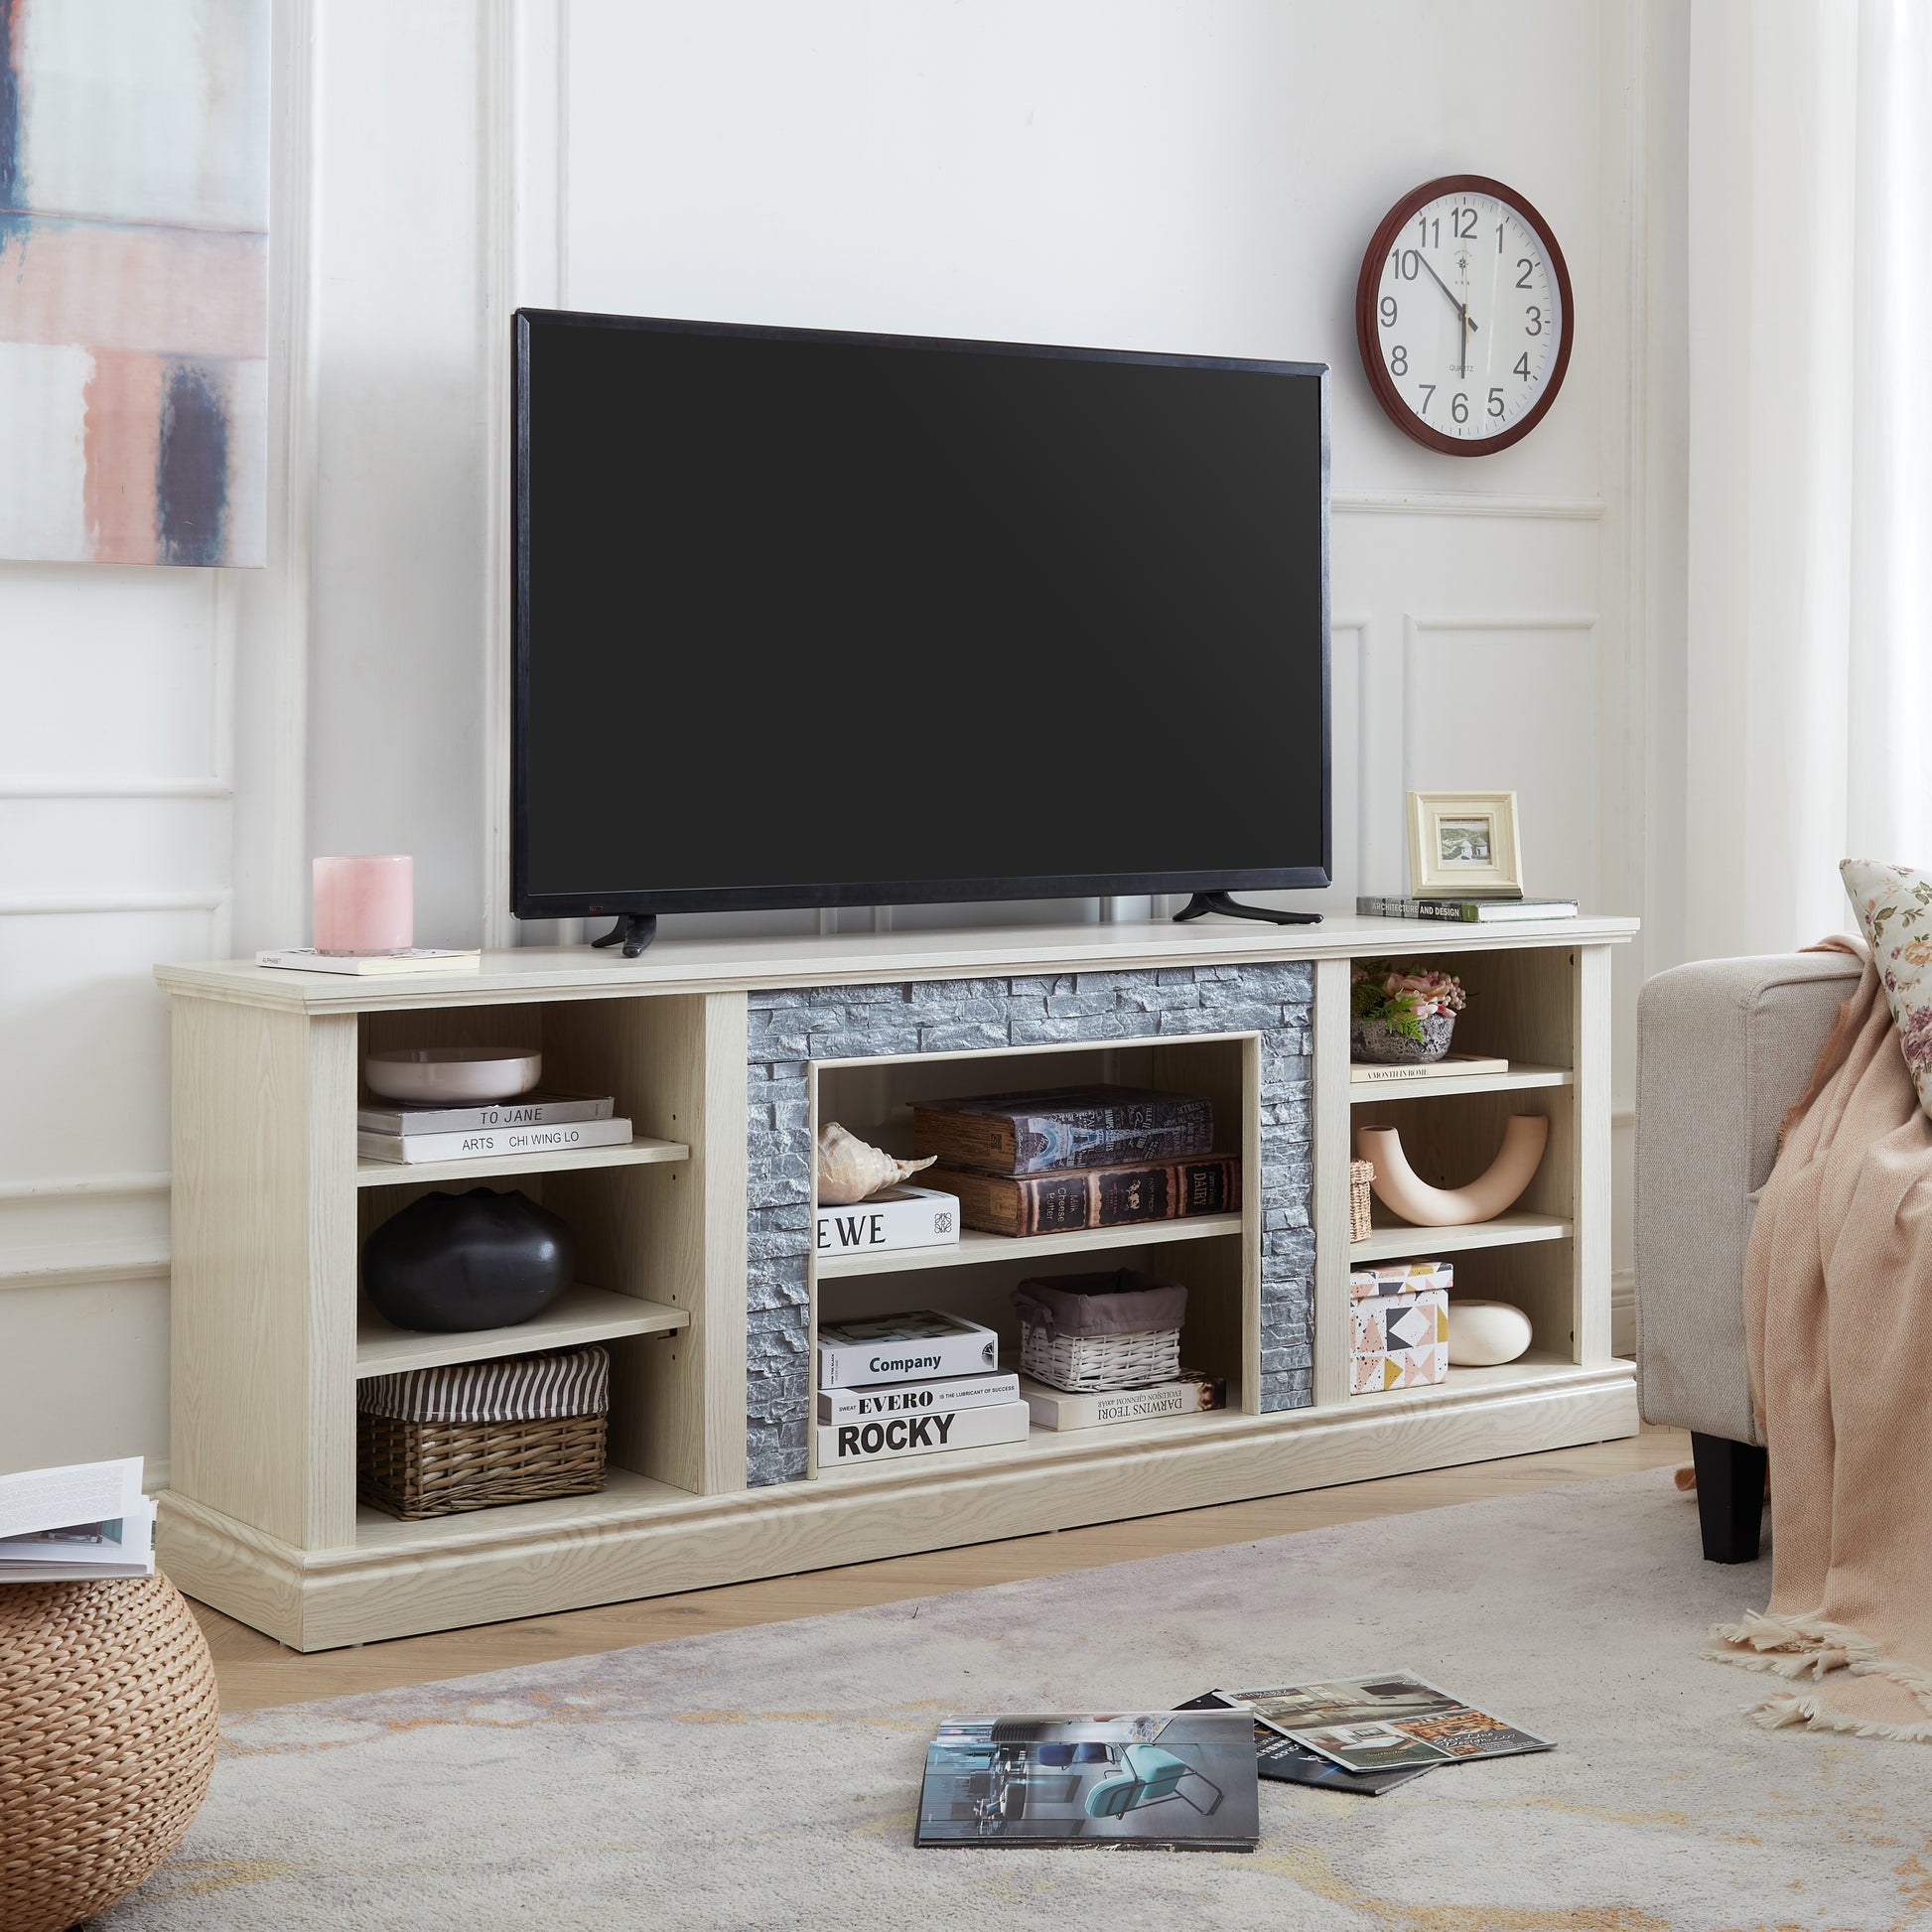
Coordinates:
(1724,1048)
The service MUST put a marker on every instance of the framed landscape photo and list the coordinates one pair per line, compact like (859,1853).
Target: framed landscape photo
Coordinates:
(1464,845)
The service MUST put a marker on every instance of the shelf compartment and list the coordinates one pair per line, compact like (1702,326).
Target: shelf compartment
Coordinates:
(975,1247)
(1519,1078)
(578,1315)
(1505,1231)
(626,1496)
(641,1151)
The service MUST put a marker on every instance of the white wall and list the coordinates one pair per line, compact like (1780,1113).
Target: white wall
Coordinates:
(1197,175)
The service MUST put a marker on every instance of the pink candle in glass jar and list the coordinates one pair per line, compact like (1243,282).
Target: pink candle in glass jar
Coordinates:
(364,905)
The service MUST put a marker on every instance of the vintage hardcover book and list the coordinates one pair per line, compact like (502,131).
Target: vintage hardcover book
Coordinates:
(489,1143)
(1466,911)
(1049,1130)
(1098,1198)
(883,1437)
(896,1217)
(1190,1393)
(531,1110)
(920,1345)
(1414,1072)
(918,1398)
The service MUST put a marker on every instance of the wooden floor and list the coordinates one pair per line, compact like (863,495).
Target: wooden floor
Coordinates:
(255,1671)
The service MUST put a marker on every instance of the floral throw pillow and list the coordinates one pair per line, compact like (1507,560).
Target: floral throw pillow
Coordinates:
(1894,905)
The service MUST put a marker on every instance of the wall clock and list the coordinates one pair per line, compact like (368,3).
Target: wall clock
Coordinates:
(1463,315)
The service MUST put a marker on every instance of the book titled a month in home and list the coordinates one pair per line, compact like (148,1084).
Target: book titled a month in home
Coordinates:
(921,1345)
(566,1138)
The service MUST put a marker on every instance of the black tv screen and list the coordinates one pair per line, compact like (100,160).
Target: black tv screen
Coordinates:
(806,619)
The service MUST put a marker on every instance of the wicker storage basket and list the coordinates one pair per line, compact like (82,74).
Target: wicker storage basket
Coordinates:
(1361,1178)
(473,1435)
(1118,1330)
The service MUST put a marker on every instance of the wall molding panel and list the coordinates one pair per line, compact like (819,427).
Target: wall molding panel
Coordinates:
(1463,502)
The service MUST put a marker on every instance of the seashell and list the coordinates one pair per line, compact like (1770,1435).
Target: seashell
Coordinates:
(849,1169)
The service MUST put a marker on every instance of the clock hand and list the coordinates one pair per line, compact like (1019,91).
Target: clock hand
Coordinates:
(1460,308)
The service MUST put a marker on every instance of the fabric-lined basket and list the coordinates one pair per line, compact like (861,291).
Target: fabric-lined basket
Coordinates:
(1361,1184)
(516,1428)
(1120,1329)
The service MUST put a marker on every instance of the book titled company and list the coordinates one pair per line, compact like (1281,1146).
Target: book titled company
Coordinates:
(894,1217)
(923,1346)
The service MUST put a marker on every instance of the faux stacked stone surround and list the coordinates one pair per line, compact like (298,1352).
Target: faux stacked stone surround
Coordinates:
(790,1028)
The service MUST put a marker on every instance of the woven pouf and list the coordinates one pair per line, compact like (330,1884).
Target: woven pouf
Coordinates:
(107,1725)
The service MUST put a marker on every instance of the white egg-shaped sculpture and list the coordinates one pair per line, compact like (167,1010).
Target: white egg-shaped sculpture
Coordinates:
(1483,1334)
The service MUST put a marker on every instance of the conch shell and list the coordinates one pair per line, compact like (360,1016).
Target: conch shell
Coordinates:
(849,1169)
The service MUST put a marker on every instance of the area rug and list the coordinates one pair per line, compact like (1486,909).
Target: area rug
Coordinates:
(766,1778)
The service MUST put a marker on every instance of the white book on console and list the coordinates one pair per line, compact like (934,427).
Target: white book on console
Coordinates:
(490,1143)
(894,1217)
(920,1345)
(374,965)
(918,1398)
(533,1110)
(890,1436)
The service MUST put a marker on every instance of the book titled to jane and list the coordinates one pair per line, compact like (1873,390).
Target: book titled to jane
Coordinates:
(1098,1198)
(1052,1130)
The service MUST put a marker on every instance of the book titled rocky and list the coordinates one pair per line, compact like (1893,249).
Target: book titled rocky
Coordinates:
(1050,1130)
(882,1437)
(1098,1198)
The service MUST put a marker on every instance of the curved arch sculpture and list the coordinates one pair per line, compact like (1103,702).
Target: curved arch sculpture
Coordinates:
(1498,1188)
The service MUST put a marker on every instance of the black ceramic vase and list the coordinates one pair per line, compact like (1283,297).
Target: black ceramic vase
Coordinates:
(479,1260)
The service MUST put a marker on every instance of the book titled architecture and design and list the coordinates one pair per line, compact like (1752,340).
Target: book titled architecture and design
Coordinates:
(1388,1721)
(1151,1780)
(1464,911)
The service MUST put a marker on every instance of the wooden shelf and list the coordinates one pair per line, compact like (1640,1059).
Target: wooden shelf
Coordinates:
(625,1497)
(641,1150)
(578,1315)
(1522,1076)
(1505,1231)
(974,1246)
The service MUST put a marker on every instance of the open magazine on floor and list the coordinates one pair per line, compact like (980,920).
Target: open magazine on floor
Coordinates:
(1384,1722)
(1161,1780)
(78,1524)
(1282,1760)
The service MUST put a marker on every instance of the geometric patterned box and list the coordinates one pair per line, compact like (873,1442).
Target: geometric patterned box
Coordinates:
(1399,1326)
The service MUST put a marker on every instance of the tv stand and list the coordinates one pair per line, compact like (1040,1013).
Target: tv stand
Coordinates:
(1203,904)
(634,932)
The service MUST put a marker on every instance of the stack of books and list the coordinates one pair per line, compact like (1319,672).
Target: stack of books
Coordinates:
(535,1123)
(1065,1158)
(910,1385)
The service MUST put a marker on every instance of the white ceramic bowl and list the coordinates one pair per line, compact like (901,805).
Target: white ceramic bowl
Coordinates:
(451,1075)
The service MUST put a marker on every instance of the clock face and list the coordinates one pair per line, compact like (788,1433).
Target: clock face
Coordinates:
(1463,316)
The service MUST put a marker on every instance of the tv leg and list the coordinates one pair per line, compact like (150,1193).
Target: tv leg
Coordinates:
(634,932)
(1204,903)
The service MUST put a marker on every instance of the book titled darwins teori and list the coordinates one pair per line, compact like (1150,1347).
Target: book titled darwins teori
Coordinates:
(1190,1393)
(1096,1197)
(1050,1130)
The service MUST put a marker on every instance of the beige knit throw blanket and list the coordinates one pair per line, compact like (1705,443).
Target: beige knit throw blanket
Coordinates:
(1838,1290)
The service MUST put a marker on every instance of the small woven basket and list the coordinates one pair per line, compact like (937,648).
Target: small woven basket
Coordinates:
(432,1441)
(1361,1179)
(1084,1363)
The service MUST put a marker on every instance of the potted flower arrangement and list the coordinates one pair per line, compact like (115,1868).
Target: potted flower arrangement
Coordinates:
(1402,1014)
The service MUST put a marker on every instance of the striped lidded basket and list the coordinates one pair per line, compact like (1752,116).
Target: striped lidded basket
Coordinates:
(516,1428)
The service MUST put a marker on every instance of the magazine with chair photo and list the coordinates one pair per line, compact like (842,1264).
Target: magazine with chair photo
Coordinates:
(1384,1722)
(1173,1780)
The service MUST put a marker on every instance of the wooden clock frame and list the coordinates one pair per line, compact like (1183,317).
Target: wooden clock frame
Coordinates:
(1367,338)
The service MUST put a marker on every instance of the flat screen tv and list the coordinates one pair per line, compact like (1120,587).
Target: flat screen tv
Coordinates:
(806,619)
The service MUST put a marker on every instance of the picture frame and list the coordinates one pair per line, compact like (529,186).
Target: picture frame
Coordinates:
(1464,845)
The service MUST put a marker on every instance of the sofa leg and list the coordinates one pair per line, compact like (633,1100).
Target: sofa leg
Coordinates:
(1731,1497)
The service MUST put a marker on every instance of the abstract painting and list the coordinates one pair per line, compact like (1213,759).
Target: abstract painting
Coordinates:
(134,280)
